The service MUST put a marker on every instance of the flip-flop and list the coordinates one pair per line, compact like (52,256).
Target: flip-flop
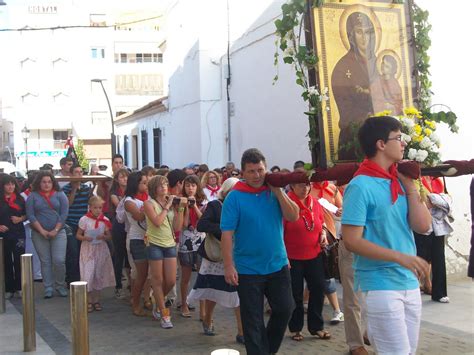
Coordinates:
(97,306)
(297,337)
(90,308)
(186,314)
(322,334)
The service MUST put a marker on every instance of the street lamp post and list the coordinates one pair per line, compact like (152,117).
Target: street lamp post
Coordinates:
(25,132)
(110,111)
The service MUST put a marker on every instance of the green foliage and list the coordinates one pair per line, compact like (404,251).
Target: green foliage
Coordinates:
(289,32)
(446,117)
(353,144)
(422,64)
(81,155)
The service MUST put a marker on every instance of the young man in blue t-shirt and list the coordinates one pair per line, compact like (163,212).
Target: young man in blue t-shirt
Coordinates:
(252,227)
(380,210)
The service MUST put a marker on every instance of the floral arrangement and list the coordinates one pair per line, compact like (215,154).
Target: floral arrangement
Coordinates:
(419,133)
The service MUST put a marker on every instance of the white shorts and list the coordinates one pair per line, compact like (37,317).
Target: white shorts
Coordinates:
(393,321)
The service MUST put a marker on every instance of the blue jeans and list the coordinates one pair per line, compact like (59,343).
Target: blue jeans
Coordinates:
(261,340)
(52,254)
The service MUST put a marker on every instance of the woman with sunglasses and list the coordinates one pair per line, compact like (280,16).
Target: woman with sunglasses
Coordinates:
(304,240)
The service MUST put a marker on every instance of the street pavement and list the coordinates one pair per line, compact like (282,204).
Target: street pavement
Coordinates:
(445,329)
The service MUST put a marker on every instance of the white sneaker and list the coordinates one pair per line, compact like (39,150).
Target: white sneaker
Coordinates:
(444,299)
(155,313)
(337,317)
(166,322)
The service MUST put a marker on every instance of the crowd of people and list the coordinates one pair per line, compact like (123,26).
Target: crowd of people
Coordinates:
(256,248)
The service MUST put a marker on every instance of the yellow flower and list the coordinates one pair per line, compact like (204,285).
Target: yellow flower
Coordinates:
(411,111)
(430,124)
(383,113)
(417,129)
(417,138)
(428,131)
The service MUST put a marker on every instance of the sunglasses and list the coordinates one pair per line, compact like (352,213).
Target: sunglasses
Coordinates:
(235,174)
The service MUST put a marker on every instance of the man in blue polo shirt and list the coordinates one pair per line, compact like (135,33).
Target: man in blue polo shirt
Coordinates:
(381,208)
(252,225)
(78,195)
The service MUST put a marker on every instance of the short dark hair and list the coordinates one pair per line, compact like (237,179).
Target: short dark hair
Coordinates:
(175,176)
(147,169)
(117,156)
(74,166)
(65,160)
(37,181)
(252,156)
(298,164)
(275,167)
(203,168)
(374,129)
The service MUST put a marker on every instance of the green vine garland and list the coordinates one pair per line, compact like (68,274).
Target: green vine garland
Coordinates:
(289,31)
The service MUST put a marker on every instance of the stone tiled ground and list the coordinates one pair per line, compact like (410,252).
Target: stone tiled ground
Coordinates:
(116,331)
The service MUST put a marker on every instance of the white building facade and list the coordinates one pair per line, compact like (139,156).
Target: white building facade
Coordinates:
(48,72)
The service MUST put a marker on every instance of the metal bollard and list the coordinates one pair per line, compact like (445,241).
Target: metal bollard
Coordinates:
(28,300)
(79,318)
(2,278)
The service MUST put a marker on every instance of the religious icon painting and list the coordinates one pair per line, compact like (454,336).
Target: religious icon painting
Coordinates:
(366,61)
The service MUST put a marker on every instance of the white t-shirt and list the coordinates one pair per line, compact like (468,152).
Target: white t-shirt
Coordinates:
(88,224)
(137,229)
(209,197)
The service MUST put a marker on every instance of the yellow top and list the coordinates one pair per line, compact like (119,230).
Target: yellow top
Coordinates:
(161,236)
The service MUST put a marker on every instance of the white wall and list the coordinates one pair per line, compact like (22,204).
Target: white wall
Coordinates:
(451,60)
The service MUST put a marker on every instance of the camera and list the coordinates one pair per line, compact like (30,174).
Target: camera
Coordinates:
(176,200)
(191,203)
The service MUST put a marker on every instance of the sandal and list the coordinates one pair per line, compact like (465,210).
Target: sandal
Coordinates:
(322,334)
(186,314)
(97,306)
(90,308)
(148,304)
(139,312)
(297,337)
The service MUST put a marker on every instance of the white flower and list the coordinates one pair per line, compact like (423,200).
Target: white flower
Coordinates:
(425,143)
(434,148)
(434,137)
(313,91)
(406,138)
(421,155)
(412,153)
(408,122)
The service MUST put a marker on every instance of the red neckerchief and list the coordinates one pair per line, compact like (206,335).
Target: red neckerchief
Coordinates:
(27,192)
(433,185)
(306,208)
(370,168)
(142,196)
(11,202)
(193,218)
(48,197)
(120,192)
(323,187)
(213,190)
(100,218)
(243,187)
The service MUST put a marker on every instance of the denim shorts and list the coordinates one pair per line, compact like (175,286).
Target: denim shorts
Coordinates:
(137,249)
(155,252)
(329,286)
(191,259)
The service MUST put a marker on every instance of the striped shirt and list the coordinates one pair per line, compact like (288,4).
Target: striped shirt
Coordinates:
(79,205)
